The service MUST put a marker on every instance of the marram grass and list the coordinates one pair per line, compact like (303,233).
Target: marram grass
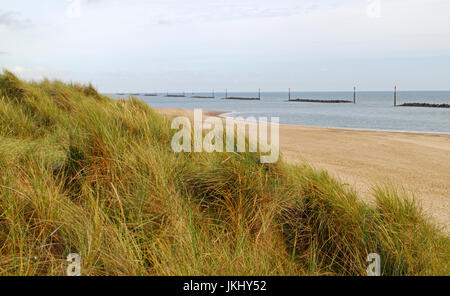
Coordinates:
(81,173)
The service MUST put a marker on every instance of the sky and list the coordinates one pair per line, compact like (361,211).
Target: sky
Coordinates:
(242,45)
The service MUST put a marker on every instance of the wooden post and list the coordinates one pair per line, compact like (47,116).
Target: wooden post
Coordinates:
(395,96)
(354,95)
(259,92)
(289,94)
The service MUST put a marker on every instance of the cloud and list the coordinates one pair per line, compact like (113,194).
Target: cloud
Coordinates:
(4,52)
(13,19)
(171,12)
(39,73)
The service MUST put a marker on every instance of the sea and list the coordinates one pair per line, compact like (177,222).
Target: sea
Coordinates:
(374,110)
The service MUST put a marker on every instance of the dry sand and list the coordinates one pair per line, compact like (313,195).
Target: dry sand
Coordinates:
(419,163)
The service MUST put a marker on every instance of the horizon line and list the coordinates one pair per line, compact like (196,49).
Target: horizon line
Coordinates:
(269,91)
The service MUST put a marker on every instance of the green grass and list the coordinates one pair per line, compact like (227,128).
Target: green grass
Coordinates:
(82,173)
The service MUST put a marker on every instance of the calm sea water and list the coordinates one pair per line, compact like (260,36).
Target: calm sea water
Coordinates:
(373,111)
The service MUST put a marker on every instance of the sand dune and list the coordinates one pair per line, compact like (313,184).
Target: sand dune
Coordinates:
(420,163)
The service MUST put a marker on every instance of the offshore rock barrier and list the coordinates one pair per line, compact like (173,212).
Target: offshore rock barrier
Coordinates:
(321,101)
(202,97)
(175,96)
(244,99)
(426,105)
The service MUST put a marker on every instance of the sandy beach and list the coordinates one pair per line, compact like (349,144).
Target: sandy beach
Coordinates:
(419,163)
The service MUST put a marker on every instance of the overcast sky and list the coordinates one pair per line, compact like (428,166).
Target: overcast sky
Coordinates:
(159,45)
